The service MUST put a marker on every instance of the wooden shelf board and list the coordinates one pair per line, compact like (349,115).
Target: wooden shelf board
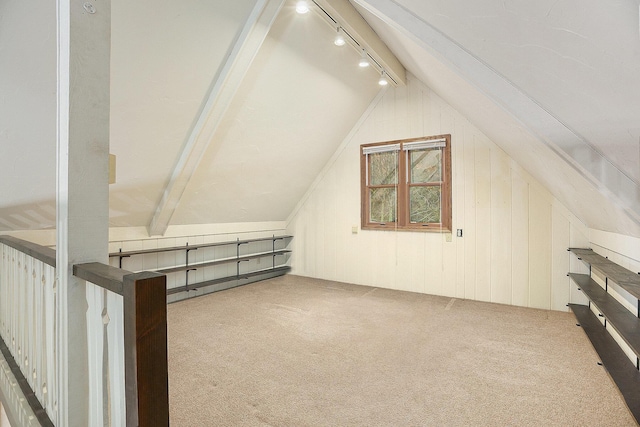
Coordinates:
(281,270)
(626,279)
(622,320)
(617,364)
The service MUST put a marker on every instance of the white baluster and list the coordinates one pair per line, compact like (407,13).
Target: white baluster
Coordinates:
(115,335)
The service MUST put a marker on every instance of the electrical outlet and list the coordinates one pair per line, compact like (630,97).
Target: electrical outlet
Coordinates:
(354,229)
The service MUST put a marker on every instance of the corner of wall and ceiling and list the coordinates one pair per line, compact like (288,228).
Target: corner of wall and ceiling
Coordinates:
(224,86)
(569,145)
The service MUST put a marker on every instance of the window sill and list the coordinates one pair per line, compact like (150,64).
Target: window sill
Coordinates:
(417,229)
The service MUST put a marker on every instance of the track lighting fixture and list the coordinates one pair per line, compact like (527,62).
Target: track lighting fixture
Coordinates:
(339,40)
(383,79)
(302,7)
(364,59)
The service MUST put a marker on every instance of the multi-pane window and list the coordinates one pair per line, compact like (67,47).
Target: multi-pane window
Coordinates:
(407,184)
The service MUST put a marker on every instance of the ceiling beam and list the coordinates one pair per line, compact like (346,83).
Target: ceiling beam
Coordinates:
(354,24)
(608,179)
(221,92)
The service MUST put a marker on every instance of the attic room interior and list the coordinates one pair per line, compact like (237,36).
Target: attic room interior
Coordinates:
(321,212)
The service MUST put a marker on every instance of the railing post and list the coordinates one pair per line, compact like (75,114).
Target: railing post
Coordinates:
(145,334)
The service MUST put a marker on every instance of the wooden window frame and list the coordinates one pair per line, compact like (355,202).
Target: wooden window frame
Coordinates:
(403,222)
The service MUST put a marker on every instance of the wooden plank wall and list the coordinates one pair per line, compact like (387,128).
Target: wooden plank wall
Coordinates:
(515,233)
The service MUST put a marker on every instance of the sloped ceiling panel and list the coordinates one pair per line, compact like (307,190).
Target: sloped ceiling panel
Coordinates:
(297,102)
(164,57)
(583,197)
(579,59)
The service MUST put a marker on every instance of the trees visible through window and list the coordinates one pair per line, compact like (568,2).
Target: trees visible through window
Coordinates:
(407,184)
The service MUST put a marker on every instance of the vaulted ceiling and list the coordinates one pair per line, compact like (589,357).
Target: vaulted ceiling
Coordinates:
(215,120)
(552,83)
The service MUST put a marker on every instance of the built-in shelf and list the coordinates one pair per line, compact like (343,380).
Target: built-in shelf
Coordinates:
(624,374)
(616,316)
(626,279)
(623,321)
(277,264)
(124,254)
(223,261)
(277,271)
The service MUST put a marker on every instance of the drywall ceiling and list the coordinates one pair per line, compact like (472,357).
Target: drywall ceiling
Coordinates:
(27,115)
(565,61)
(299,99)
(577,61)
(164,58)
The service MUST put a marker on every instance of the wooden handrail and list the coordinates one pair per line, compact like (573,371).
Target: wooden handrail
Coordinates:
(145,339)
(42,253)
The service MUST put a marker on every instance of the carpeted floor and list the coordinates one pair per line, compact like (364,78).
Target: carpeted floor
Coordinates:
(294,351)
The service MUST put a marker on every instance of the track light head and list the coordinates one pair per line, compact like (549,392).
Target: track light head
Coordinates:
(364,60)
(302,7)
(383,79)
(339,40)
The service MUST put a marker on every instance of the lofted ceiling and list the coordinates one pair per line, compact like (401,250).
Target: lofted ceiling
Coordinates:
(553,83)
(299,97)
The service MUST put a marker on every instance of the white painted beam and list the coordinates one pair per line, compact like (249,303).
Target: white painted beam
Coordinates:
(349,19)
(223,88)
(590,163)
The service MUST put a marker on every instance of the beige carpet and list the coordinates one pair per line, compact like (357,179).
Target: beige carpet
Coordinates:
(293,351)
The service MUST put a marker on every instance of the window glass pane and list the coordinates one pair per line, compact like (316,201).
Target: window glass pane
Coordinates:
(383,168)
(382,205)
(425,204)
(426,165)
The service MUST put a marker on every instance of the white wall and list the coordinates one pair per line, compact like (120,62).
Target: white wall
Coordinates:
(27,114)
(515,233)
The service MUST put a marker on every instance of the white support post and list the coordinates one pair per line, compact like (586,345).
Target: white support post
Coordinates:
(84,42)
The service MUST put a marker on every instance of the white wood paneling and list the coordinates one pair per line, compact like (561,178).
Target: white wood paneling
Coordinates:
(539,250)
(561,239)
(512,226)
(468,227)
(458,177)
(483,218)
(519,240)
(501,229)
